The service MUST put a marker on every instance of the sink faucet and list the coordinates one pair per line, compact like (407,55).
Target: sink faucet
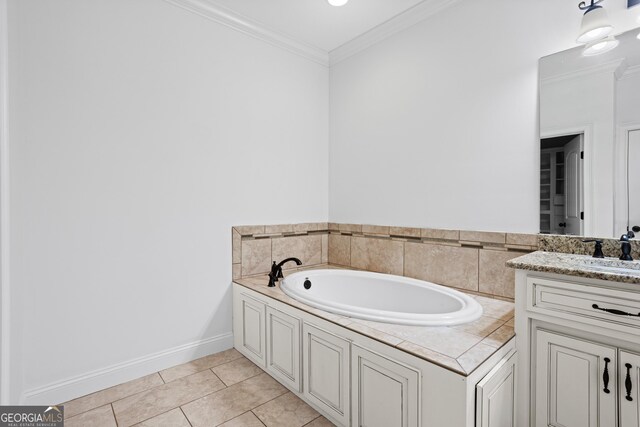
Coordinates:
(626,246)
(276,270)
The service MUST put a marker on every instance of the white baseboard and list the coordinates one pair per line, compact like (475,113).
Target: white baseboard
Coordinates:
(80,385)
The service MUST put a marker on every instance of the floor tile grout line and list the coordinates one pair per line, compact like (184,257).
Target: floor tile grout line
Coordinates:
(257,417)
(319,415)
(114,414)
(185,415)
(248,378)
(197,372)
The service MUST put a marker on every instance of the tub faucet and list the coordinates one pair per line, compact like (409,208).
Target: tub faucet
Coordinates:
(626,246)
(276,270)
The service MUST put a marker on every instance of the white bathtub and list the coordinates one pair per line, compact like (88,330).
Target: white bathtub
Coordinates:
(382,297)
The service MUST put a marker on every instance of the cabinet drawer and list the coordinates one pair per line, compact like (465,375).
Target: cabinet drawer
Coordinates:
(585,303)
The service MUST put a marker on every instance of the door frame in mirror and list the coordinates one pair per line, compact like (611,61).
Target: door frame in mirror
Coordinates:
(587,184)
(621,197)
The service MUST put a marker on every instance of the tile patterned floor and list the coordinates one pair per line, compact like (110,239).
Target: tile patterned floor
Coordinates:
(223,389)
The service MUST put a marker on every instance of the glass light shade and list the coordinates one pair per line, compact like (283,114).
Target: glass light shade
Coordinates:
(337,2)
(600,46)
(595,26)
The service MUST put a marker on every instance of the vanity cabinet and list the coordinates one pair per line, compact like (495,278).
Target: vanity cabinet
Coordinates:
(385,392)
(283,348)
(575,382)
(326,371)
(629,388)
(251,329)
(578,339)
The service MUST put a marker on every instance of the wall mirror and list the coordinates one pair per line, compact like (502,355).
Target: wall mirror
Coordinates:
(590,140)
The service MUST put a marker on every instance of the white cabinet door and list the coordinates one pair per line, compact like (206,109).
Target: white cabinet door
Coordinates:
(575,382)
(283,347)
(326,372)
(629,391)
(252,330)
(495,395)
(385,393)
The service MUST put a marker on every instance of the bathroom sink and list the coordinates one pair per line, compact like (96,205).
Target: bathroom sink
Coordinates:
(612,266)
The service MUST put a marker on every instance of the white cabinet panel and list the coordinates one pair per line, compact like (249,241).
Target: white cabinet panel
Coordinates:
(283,347)
(629,393)
(575,382)
(495,395)
(385,393)
(326,371)
(252,339)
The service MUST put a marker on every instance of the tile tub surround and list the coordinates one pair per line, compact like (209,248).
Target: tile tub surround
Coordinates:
(578,265)
(469,260)
(224,389)
(460,349)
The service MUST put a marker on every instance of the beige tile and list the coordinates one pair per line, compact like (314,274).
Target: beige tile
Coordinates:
(482,327)
(405,231)
(325,248)
(98,417)
(499,337)
(256,256)
(199,365)
(278,228)
(236,246)
(248,419)
(103,397)
(435,357)
(444,265)
(475,356)
(323,225)
(433,233)
(236,271)
(236,371)
(511,322)
(495,308)
(444,340)
(376,229)
(307,248)
(307,226)
(233,401)
(340,249)
(495,277)
(483,236)
(173,418)
(286,410)
(374,333)
(248,230)
(148,404)
(333,226)
(350,228)
(522,239)
(320,422)
(381,255)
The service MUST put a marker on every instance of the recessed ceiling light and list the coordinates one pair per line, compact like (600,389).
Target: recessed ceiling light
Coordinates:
(337,2)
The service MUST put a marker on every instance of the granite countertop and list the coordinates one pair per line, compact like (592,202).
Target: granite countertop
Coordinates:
(611,269)
(460,349)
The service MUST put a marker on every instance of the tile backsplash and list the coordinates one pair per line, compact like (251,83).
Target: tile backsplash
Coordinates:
(468,260)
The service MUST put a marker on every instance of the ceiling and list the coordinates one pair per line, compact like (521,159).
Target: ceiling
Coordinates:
(317,23)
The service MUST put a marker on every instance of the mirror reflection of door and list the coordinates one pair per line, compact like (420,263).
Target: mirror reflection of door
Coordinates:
(633,179)
(561,185)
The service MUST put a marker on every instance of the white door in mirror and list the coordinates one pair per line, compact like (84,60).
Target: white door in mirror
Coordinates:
(633,178)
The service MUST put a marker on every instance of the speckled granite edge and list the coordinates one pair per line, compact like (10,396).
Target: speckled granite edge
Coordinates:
(576,265)
(460,349)
(575,245)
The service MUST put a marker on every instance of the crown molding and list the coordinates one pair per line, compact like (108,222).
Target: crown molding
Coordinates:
(217,13)
(616,67)
(400,22)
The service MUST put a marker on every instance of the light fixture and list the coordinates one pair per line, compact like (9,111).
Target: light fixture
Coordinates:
(337,2)
(595,22)
(600,46)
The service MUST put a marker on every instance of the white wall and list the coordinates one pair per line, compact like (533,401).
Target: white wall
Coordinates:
(437,126)
(140,133)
